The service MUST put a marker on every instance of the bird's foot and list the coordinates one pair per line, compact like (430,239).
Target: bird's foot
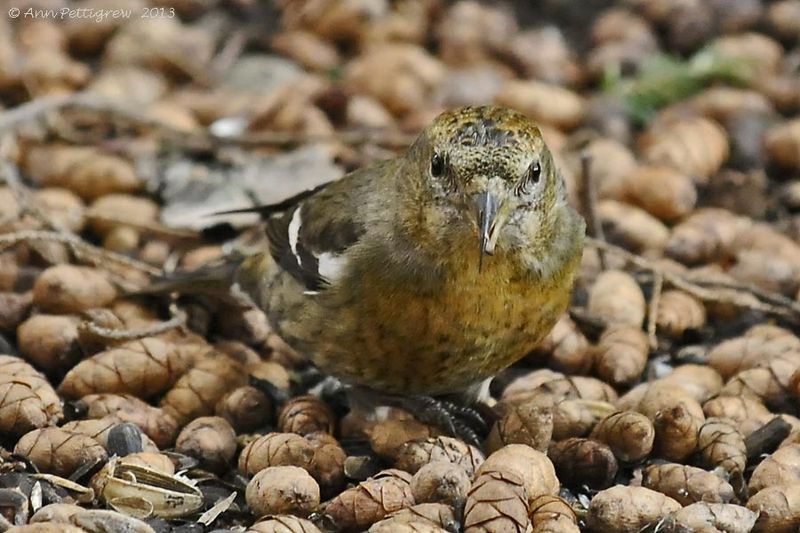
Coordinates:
(460,421)
(456,419)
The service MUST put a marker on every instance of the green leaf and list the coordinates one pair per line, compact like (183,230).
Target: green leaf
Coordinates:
(666,79)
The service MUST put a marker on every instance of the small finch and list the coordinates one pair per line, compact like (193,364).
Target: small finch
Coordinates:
(426,274)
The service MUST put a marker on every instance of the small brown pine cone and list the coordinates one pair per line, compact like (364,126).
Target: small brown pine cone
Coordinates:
(576,418)
(143,367)
(50,341)
(327,465)
(700,381)
(679,312)
(438,514)
(497,501)
(777,508)
(705,516)
(620,356)
(27,401)
(581,462)
(276,449)
(771,382)
(687,484)
(628,508)
(705,236)
(154,422)
(676,433)
(551,514)
(59,452)
(197,392)
(283,524)
(567,348)
(282,490)
(617,298)
(440,482)
(357,508)
(388,436)
(211,439)
(745,411)
(780,468)
(306,414)
(751,350)
(528,423)
(721,444)
(63,289)
(629,434)
(245,408)
(696,146)
(415,454)
(532,466)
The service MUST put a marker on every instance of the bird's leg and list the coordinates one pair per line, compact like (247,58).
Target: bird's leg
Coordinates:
(470,416)
(456,419)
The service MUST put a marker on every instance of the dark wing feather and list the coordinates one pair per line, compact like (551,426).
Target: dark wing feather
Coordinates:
(303,266)
(331,221)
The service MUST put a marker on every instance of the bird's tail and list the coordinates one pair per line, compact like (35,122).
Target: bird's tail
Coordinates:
(212,279)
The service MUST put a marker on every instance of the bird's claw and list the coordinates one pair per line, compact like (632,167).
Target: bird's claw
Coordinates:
(460,421)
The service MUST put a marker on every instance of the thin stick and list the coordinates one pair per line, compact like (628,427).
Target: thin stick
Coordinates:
(177,319)
(79,247)
(770,297)
(652,312)
(739,294)
(35,109)
(229,53)
(589,200)
(10,174)
(98,255)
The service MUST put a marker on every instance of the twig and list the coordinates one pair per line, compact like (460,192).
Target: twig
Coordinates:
(36,109)
(229,53)
(98,255)
(177,319)
(10,174)
(79,247)
(589,201)
(709,289)
(354,137)
(769,297)
(652,312)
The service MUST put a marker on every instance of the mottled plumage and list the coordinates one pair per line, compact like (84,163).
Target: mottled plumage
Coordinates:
(430,272)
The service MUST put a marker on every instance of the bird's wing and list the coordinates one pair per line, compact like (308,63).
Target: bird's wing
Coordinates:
(309,240)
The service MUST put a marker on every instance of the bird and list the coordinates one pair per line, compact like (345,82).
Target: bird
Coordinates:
(421,277)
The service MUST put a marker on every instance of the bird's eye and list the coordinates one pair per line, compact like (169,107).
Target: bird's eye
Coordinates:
(532,177)
(437,165)
(535,172)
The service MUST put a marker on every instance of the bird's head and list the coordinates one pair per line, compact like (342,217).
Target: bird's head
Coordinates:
(488,167)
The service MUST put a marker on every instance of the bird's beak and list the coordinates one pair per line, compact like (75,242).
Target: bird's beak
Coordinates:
(486,211)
